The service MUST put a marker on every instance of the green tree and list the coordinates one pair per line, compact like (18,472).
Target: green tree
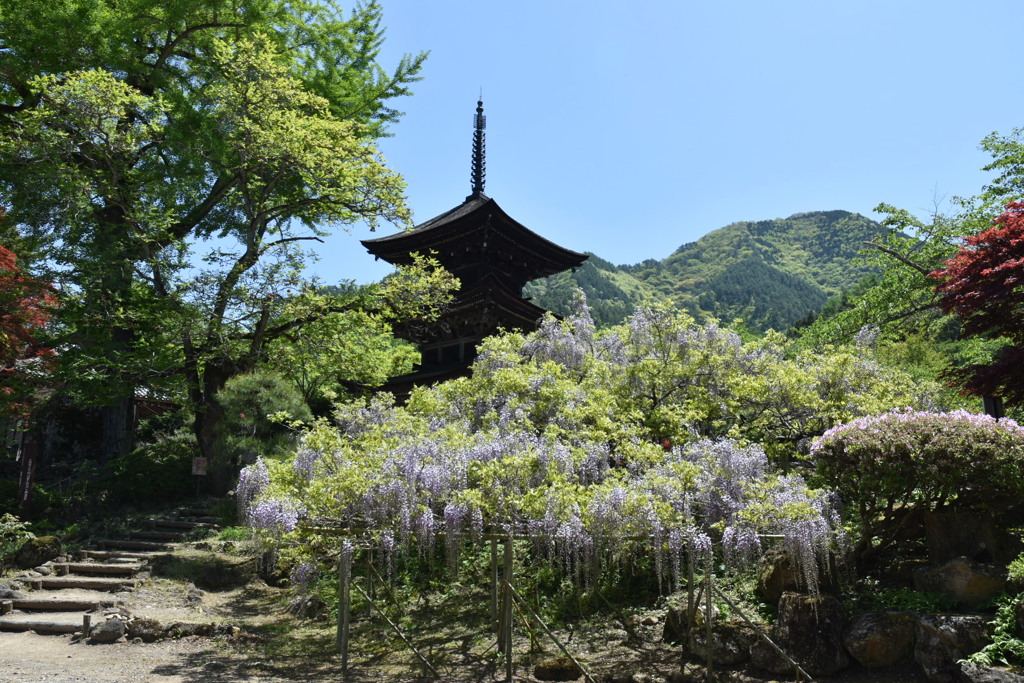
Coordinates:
(904,303)
(174,156)
(984,285)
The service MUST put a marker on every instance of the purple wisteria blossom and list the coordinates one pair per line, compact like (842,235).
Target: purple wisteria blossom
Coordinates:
(252,481)
(274,515)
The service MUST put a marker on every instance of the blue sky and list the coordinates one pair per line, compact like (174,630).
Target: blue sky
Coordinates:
(629,130)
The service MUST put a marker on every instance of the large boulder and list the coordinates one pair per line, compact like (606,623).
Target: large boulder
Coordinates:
(879,639)
(777,575)
(146,629)
(963,580)
(676,628)
(731,641)
(211,571)
(978,673)
(810,630)
(961,533)
(942,640)
(980,534)
(36,551)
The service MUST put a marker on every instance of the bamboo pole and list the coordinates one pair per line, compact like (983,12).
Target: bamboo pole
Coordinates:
(494,584)
(551,635)
(344,604)
(709,675)
(369,578)
(507,611)
(398,631)
(796,666)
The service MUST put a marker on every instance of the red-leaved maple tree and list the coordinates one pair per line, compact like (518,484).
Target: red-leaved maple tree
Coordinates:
(984,285)
(26,305)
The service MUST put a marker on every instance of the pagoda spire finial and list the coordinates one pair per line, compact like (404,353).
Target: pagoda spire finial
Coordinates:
(479,165)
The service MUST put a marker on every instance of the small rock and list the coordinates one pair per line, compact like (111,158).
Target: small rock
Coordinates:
(690,673)
(43,570)
(650,621)
(557,669)
(307,607)
(147,630)
(108,631)
(8,592)
(645,678)
(731,640)
(617,635)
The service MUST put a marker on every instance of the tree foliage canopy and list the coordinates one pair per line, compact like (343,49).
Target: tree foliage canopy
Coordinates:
(984,285)
(174,157)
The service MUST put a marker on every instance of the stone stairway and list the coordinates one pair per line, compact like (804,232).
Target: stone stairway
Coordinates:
(72,596)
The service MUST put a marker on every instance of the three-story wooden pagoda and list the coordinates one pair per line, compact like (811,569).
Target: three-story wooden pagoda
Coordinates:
(492,255)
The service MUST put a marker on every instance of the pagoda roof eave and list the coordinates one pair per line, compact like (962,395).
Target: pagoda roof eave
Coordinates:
(478,211)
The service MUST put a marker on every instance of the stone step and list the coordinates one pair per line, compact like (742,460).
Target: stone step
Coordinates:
(65,622)
(195,512)
(119,568)
(118,555)
(205,519)
(166,536)
(55,605)
(185,524)
(85,582)
(132,545)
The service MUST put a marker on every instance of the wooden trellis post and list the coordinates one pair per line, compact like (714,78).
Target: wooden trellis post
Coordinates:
(507,614)
(494,585)
(344,605)
(709,617)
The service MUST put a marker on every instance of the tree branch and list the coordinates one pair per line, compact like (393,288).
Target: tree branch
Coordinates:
(899,257)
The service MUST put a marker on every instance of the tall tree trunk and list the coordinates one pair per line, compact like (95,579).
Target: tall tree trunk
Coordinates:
(118,428)
(114,295)
(206,426)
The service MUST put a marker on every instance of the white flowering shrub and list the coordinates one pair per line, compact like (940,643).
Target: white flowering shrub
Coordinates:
(889,466)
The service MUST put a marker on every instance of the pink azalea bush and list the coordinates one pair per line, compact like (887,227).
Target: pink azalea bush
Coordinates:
(889,468)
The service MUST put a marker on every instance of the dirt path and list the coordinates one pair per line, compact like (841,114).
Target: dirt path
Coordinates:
(30,658)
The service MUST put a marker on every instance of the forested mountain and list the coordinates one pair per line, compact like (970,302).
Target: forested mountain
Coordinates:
(768,273)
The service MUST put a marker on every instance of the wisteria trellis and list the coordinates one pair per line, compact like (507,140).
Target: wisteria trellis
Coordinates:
(551,439)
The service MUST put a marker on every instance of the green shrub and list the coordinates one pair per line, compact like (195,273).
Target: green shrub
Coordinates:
(873,598)
(42,499)
(158,473)
(1006,648)
(890,466)
(247,429)
(249,399)
(13,532)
